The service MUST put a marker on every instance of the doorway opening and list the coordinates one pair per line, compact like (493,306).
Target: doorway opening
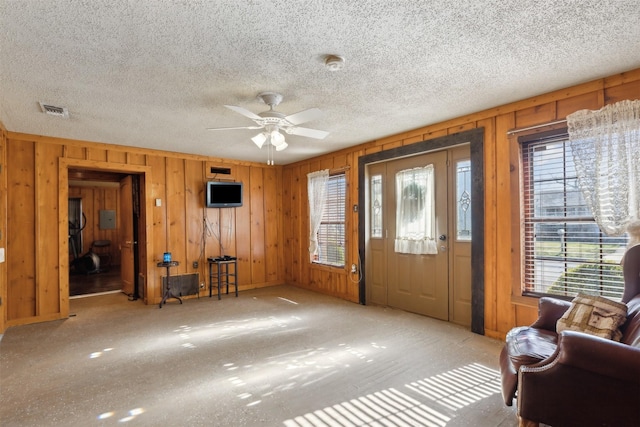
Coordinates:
(113,200)
(97,220)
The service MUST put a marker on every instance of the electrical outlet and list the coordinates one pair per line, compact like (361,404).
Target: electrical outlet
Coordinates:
(201,285)
(195,264)
(354,268)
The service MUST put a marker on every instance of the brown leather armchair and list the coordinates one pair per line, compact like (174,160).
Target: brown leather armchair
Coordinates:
(573,378)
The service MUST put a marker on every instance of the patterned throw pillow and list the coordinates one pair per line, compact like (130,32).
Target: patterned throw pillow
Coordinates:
(594,315)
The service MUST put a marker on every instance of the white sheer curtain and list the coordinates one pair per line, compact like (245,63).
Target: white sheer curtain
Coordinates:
(606,152)
(317,189)
(415,211)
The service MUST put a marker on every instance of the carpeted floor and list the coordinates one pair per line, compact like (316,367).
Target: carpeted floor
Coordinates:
(278,356)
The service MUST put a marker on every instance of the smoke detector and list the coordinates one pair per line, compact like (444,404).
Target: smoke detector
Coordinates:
(334,62)
(54,111)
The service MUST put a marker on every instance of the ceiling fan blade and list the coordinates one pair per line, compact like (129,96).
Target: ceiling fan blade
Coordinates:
(239,127)
(244,112)
(304,116)
(311,133)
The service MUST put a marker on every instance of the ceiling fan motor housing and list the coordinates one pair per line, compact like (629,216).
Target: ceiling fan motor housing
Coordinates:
(272,99)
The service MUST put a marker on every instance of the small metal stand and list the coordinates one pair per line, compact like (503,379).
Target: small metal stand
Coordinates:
(167,292)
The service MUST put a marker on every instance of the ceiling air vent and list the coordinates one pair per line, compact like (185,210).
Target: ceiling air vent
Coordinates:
(54,111)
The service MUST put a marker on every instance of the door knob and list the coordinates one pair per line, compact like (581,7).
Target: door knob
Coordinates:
(442,237)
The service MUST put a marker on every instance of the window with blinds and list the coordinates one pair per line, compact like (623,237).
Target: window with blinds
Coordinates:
(331,238)
(565,252)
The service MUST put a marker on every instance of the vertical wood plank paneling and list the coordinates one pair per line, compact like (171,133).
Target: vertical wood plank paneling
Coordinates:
(590,101)
(460,128)
(46,217)
(114,156)
(629,90)
(374,149)
(75,152)
(490,229)
(176,215)
(272,214)
(258,232)
(213,244)
(98,154)
(300,234)
(405,141)
(63,236)
(153,293)
(341,160)
(432,134)
(21,248)
(537,115)
(302,242)
(503,251)
(354,224)
(288,228)
(136,159)
(239,222)
(193,208)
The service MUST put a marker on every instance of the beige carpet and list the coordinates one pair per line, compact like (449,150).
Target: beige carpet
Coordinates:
(279,356)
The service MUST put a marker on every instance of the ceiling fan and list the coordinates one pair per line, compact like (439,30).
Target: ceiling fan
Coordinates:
(274,122)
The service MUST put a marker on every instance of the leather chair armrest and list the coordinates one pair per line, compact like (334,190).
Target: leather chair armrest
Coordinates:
(594,354)
(550,310)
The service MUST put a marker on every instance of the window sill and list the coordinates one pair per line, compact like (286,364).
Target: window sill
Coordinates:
(526,301)
(326,267)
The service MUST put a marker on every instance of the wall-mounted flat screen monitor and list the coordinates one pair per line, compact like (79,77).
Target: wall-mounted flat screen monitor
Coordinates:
(221,194)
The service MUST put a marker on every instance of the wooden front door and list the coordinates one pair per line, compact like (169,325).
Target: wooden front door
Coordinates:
(437,285)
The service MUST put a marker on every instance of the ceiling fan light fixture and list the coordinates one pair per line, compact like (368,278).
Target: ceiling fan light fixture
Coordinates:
(277,138)
(281,146)
(259,139)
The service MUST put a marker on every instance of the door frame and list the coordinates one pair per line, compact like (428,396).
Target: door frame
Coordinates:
(64,164)
(475,139)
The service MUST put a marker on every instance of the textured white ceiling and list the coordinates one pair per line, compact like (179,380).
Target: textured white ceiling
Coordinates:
(156,73)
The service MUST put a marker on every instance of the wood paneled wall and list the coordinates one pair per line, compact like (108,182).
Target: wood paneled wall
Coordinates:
(504,307)
(37,190)
(32,281)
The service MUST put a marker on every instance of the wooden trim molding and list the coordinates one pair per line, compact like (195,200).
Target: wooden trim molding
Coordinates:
(64,164)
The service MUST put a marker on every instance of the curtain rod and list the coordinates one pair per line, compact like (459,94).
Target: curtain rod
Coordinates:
(340,169)
(557,122)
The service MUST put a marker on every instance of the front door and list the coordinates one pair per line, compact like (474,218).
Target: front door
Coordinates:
(127,271)
(416,276)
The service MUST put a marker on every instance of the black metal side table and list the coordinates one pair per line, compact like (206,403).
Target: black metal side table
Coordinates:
(167,292)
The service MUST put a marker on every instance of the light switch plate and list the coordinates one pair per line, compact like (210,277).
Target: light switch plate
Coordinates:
(1,254)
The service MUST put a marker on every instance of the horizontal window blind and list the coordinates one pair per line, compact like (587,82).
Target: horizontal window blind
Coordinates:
(565,252)
(331,234)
